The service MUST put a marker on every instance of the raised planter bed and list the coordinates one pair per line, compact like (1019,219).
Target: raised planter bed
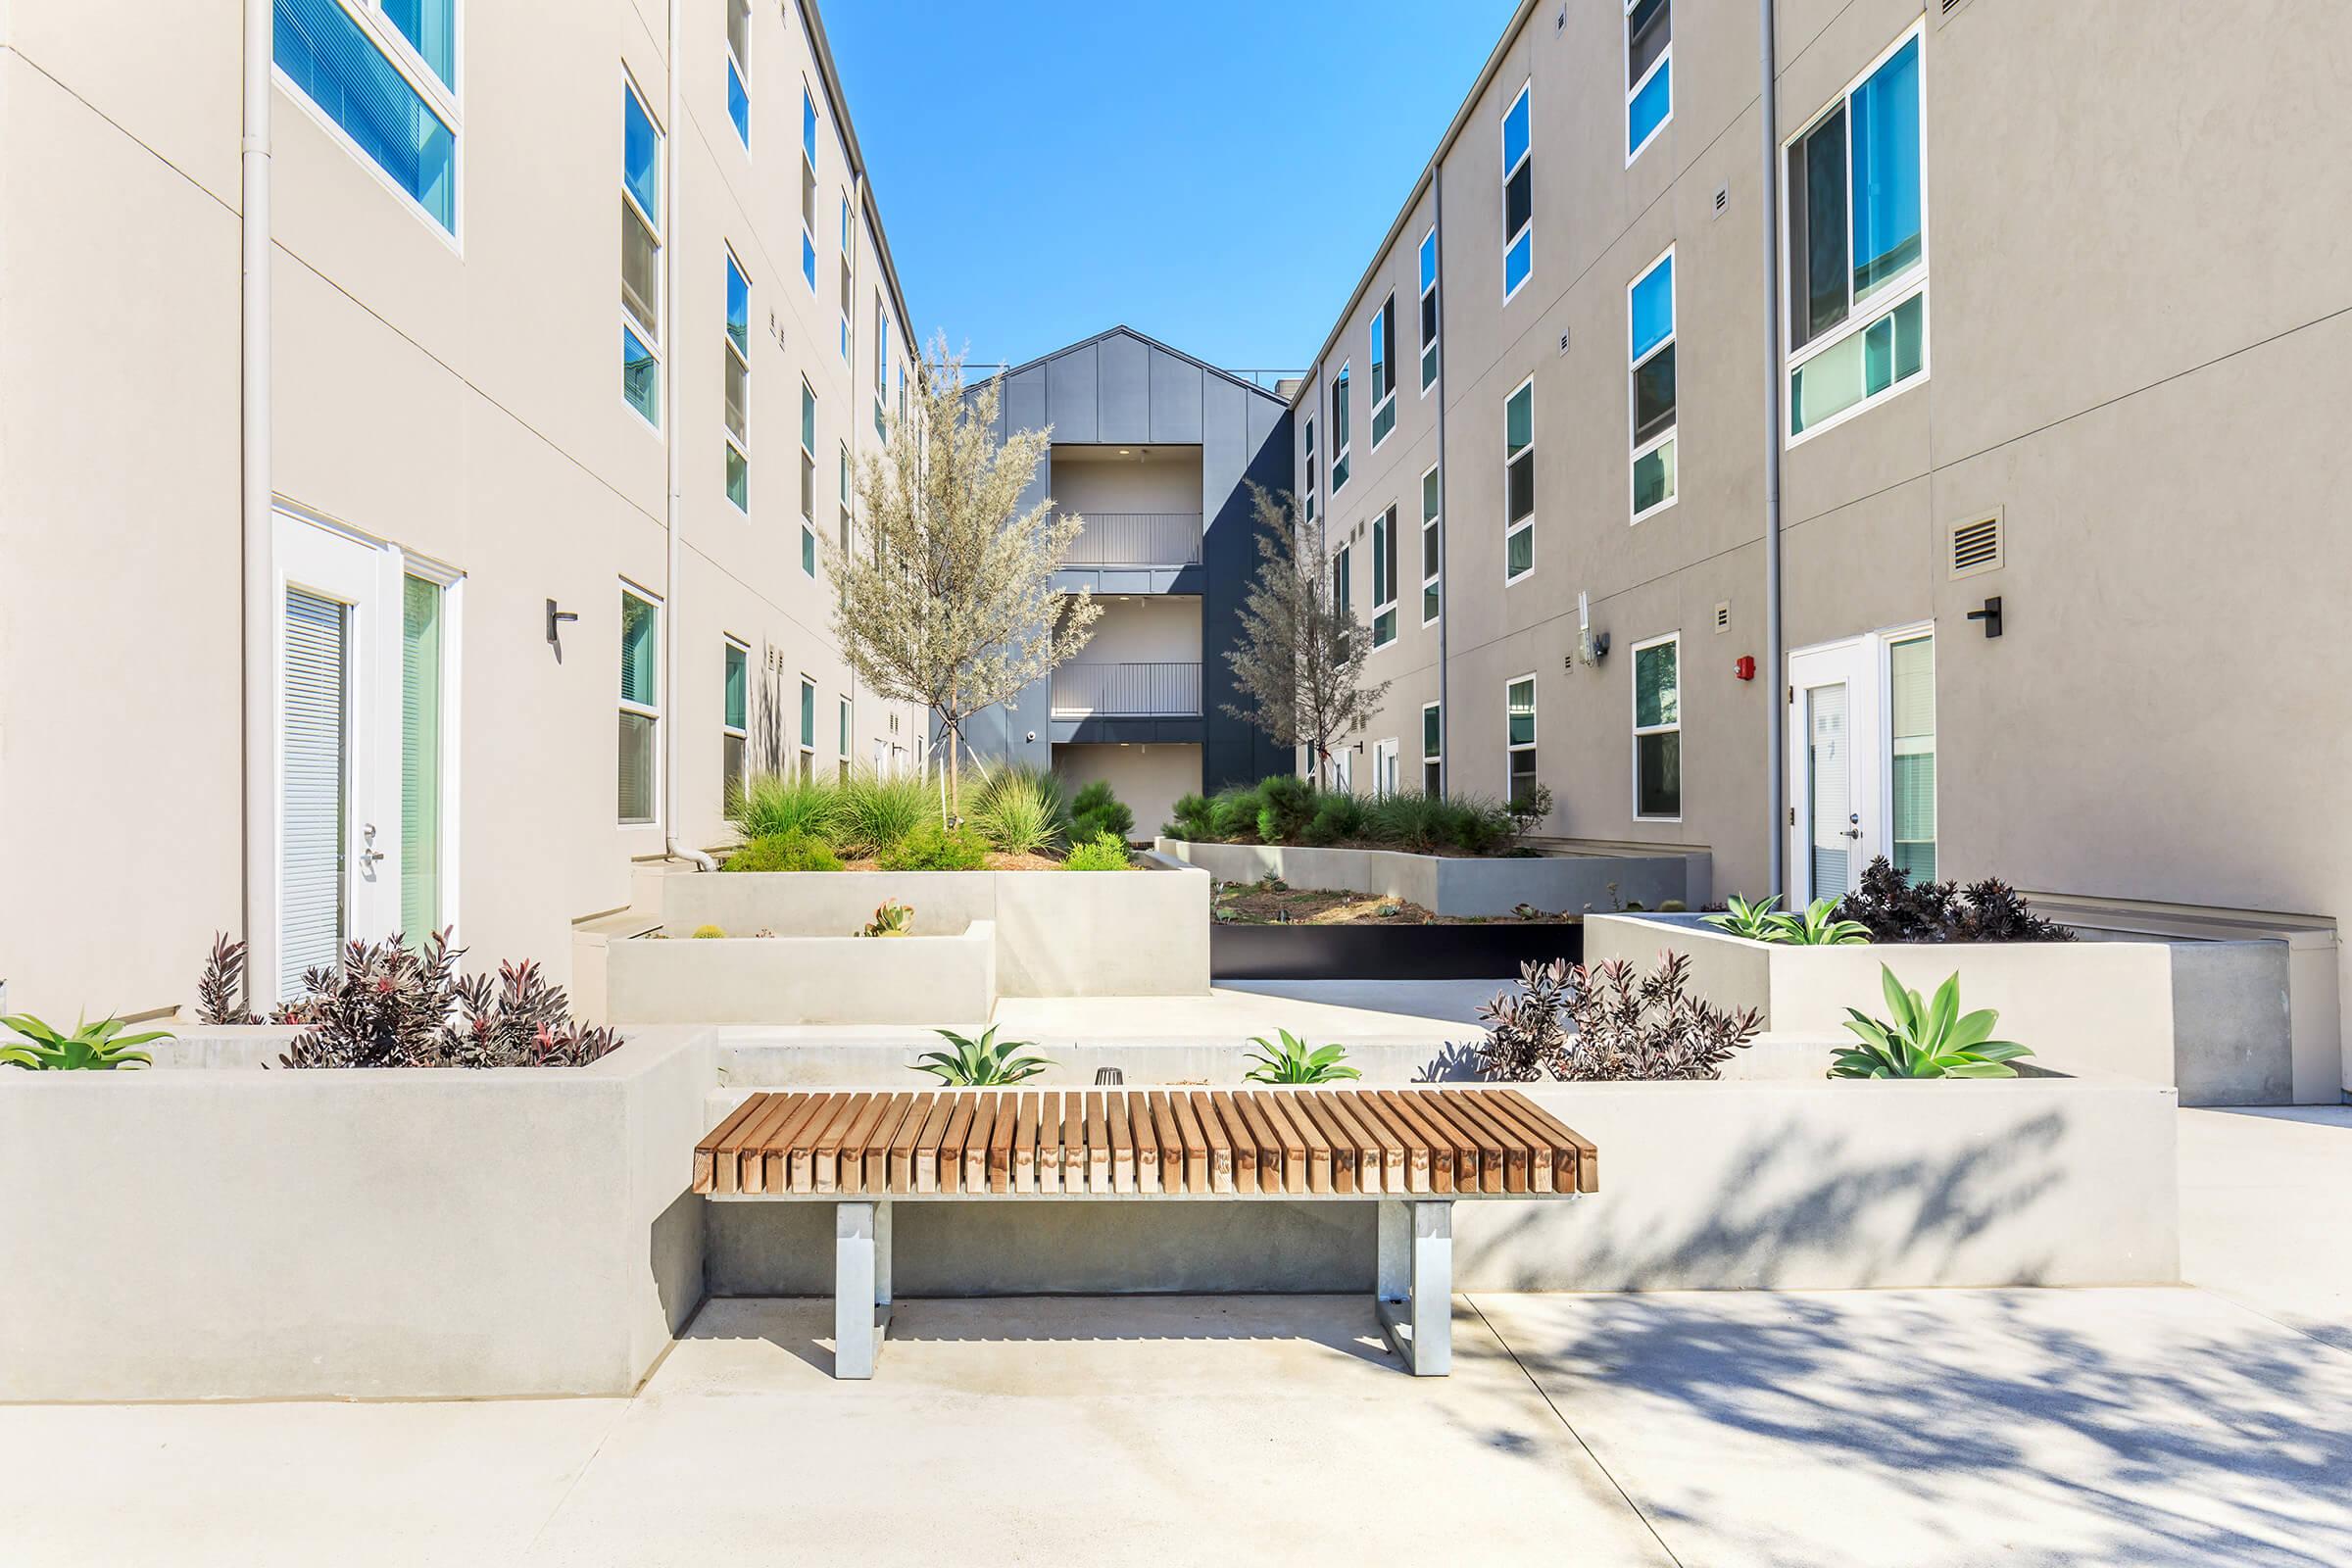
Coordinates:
(222,1233)
(1492,951)
(1460,884)
(2209,1017)
(804,979)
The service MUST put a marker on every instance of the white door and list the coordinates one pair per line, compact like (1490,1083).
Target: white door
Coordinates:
(1384,767)
(338,746)
(1343,769)
(1834,765)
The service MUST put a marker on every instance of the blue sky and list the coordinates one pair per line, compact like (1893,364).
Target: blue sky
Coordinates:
(1214,174)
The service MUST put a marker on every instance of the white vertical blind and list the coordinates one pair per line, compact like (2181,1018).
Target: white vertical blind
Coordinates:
(314,702)
(1829,772)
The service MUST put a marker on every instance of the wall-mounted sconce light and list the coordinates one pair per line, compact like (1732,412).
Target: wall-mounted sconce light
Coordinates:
(1590,646)
(555,621)
(1990,616)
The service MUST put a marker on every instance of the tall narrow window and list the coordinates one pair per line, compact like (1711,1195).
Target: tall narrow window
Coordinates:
(1519,482)
(1343,602)
(383,73)
(882,371)
(1650,308)
(640,257)
(846,514)
(737,358)
(1306,499)
(734,729)
(1384,379)
(1648,72)
(1429,309)
(1384,578)
(422,643)
(1433,750)
(808,478)
(809,187)
(1857,246)
(1519,735)
(640,707)
(739,68)
(1518,197)
(1431,547)
(842,752)
(808,726)
(1911,716)
(1658,728)
(848,283)
(1339,431)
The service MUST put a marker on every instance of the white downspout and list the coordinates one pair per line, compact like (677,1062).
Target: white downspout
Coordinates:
(1776,738)
(257,562)
(673,486)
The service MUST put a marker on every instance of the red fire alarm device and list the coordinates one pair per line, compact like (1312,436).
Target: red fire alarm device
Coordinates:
(1744,666)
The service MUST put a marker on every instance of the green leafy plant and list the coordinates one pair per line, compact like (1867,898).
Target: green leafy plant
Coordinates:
(1528,809)
(1925,1040)
(932,848)
(1233,812)
(1286,804)
(983,1062)
(784,852)
(1098,810)
(1194,820)
(1293,1060)
(891,919)
(1818,927)
(1103,853)
(1019,810)
(877,810)
(774,805)
(1416,823)
(1754,921)
(1339,815)
(100,1046)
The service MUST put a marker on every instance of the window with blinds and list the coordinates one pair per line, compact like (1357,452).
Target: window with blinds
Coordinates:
(421,642)
(640,257)
(314,714)
(382,75)
(1911,717)
(640,710)
(734,725)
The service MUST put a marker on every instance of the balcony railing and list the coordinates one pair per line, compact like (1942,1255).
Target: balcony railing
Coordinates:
(1127,691)
(1137,539)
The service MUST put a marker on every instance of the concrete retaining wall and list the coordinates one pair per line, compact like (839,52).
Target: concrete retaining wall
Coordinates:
(2210,1017)
(1458,886)
(1057,933)
(209,1234)
(1714,1185)
(797,979)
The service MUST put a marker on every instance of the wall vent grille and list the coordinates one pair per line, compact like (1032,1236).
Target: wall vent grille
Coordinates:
(1977,545)
(1723,199)
(1722,614)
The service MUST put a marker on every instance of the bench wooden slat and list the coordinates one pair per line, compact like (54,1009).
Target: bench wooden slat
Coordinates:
(775,1147)
(850,1177)
(1469,1152)
(1122,1144)
(901,1143)
(1024,1144)
(1545,1159)
(1291,1140)
(878,1142)
(728,1164)
(1047,1170)
(1588,1158)
(975,1144)
(705,1152)
(1384,1138)
(1494,1134)
(924,1154)
(1074,1143)
(1241,1137)
(1314,1113)
(1171,1142)
(1097,1145)
(1427,1134)
(752,1160)
(1269,1163)
(1197,1119)
(1370,1155)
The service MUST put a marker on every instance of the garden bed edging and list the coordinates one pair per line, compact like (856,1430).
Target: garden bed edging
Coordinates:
(804,979)
(1456,886)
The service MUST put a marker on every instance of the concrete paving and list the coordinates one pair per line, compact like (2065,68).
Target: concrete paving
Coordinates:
(2163,1427)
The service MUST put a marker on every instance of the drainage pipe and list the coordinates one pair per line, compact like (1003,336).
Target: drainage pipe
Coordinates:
(256,563)
(673,486)
(1776,740)
(1445,472)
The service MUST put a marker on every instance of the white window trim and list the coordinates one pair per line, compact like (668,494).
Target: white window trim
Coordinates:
(1439,756)
(1535,724)
(1437,522)
(1633,414)
(652,710)
(1527,229)
(881,368)
(808,162)
(741,444)
(1385,525)
(1429,372)
(1633,711)
(628,321)
(1664,61)
(1311,477)
(741,732)
(1388,365)
(1343,385)
(445,101)
(1891,295)
(743,76)
(1883,644)
(1510,529)
(805,741)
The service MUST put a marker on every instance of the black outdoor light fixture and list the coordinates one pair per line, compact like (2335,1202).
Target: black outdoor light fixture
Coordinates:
(1990,616)
(555,621)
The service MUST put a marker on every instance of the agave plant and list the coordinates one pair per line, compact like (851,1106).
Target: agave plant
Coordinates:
(981,1063)
(1754,921)
(1294,1061)
(1925,1040)
(1817,927)
(99,1046)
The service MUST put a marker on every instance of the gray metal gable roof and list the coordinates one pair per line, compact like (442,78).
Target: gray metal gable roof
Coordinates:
(1130,332)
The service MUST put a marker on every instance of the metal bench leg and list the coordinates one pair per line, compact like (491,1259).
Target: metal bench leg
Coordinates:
(1415,1283)
(861,1286)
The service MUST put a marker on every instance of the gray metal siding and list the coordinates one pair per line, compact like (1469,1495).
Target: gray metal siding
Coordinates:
(1175,400)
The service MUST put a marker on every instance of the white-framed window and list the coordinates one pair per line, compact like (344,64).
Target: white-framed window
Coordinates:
(882,371)
(1429,309)
(1658,728)
(1384,753)
(1433,750)
(1518,196)
(1648,73)
(739,69)
(1854,214)
(848,284)
(1911,753)
(807,477)
(1384,578)
(808,727)
(382,77)
(1519,481)
(1519,737)
(1343,600)
(808,187)
(640,772)
(843,772)
(847,512)
(1649,339)
(1338,429)
(1306,497)
(1432,547)
(1384,377)
(734,724)
(737,358)
(641,257)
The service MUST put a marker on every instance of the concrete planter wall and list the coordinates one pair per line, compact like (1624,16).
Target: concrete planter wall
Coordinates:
(804,979)
(1705,1185)
(1456,886)
(2209,1017)
(216,1233)
(1057,933)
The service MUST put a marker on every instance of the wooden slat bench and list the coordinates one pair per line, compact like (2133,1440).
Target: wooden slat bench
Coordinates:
(1414,1150)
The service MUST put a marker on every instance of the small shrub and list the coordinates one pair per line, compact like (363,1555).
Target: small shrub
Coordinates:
(387,1004)
(932,848)
(1671,906)
(1019,810)
(1891,909)
(1233,813)
(774,805)
(1476,826)
(891,919)
(520,1020)
(1286,804)
(1752,921)
(1101,853)
(878,810)
(220,989)
(983,1062)
(784,852)
(1419,823)
(1195,820)
(1294,1061)
(1528,809)
(100,1046)
(1525,1037)
(1339,817)
(1098,810)
(1625,1027)
(707,933)
(1924,1040)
